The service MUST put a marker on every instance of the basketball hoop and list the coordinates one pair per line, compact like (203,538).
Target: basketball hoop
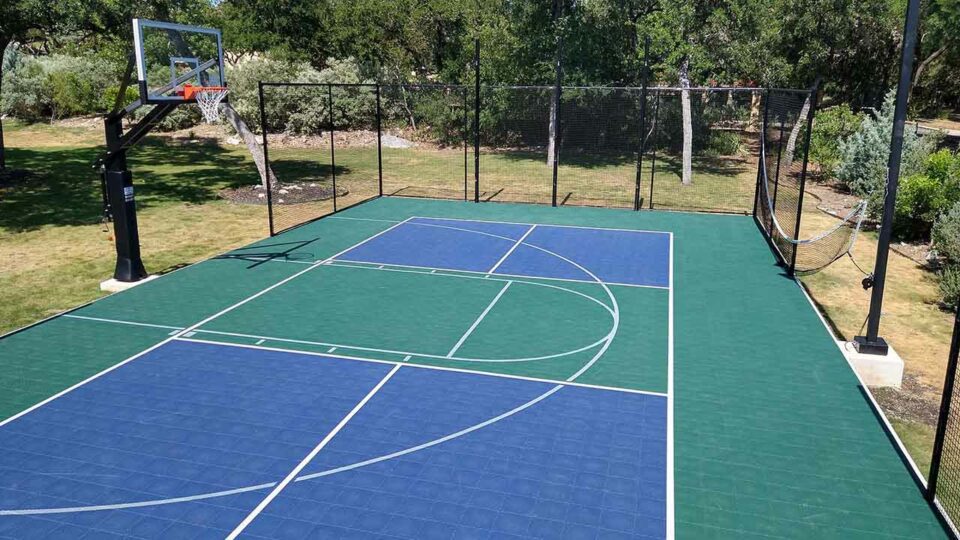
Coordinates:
(208,99)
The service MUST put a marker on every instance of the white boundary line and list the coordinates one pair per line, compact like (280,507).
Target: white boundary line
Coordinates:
(189,329)
(873,402)
(309,457)
(118,321)
(512,249)
(339,356)
(671,497)
(476,323)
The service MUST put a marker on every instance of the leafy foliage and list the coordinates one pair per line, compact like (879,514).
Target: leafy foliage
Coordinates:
(39,87)
(864,155)
(946,234)
(950,286)
(829,128)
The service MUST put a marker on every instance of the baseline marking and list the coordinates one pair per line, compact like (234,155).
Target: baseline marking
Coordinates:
(309,457)
(477,322)
(191,328)
(512,249)
(115,321)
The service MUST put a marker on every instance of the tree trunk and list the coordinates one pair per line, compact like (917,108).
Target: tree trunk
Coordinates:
(553,127)
(798,124)
(250,139)
(4,42)
(922,67)
(687,177)
(755,109)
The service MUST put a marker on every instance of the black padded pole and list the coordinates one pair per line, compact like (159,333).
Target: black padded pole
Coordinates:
(643,121)
(379,143)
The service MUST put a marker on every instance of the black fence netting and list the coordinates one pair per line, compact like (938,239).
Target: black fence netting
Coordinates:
(515,144)
(780,183)
(333,145)
(321,145)
(425,141)
(599,143)
(718,172)
(943,486)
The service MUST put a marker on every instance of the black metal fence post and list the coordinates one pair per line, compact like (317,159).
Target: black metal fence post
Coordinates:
(643,122)
(557,91)
(811,112)
(379,144)
(653,155)
(762,151)
(476,122)
(266,158)
(333,152)
(946,403)
(466,138)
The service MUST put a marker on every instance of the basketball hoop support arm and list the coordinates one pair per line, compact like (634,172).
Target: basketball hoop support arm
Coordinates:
(119,187)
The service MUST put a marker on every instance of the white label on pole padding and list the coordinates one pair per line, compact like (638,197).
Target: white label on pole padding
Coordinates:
(128,193)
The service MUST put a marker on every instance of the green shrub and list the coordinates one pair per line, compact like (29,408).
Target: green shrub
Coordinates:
(920,200)
(830,127)
(864,155)
(723,143)
(946,234)
(950,285)
(56,86)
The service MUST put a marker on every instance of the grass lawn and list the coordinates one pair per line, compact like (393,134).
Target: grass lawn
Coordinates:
(54,249)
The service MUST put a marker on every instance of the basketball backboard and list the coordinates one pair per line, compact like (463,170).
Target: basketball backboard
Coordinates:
(170,56)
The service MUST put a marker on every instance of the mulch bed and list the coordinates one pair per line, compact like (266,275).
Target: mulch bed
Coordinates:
(292,193)
(914,401)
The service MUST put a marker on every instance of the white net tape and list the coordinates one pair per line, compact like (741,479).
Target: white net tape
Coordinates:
(209,102)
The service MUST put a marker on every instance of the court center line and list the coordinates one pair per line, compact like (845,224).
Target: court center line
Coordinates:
(309,457)
(512,249)
(188,329)
(477,322)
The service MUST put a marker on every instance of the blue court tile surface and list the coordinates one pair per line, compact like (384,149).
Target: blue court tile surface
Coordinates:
(451,455)
(612,256)
(183,420)
(440,243)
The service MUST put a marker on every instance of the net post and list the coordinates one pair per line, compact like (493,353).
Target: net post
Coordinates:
(333,152)
(653,155)
(379,147)
(643,122)
(466,137)
(266,159)
(476,121)
(811,112)
(946,403)
(761,161)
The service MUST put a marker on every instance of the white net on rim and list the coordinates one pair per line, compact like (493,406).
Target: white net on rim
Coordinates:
(209,99)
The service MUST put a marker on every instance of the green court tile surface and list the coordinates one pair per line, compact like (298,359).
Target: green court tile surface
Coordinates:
(772,435)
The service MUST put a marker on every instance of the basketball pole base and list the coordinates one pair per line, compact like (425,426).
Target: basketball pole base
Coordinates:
(865,345)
